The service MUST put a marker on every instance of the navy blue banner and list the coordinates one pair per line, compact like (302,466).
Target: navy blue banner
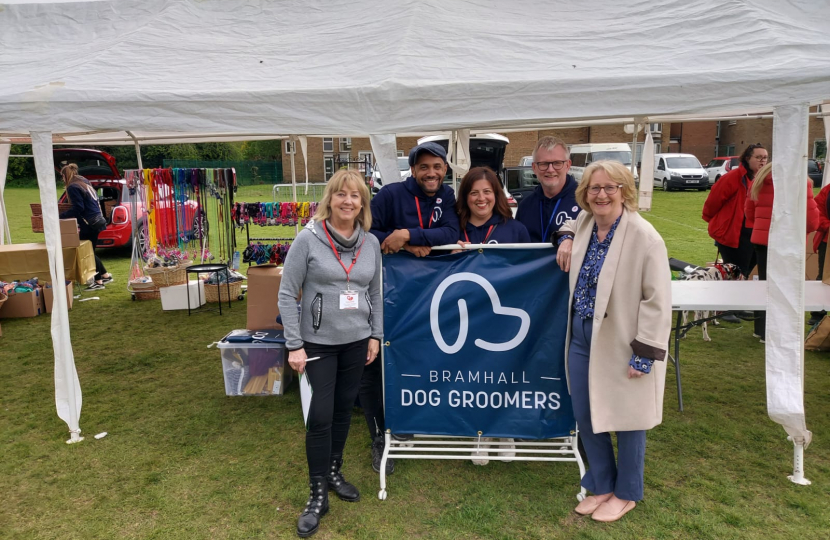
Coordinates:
(476,343)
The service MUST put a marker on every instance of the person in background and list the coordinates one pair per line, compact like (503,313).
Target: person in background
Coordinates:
(758,209)
(619,325)
(485,218)
(820,242)
(87,210)
(724,210)
(335,263)
(412,215)
(552,201)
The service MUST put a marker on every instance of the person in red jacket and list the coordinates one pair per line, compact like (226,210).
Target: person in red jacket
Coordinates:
(724,210)
(820,243)
(759,216)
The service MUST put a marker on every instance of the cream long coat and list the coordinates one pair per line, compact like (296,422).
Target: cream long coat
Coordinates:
(632,313)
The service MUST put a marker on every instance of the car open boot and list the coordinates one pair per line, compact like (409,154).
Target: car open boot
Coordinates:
(316,507)
(346,491)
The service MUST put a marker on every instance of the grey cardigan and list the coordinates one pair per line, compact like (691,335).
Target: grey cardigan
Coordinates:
(311,267)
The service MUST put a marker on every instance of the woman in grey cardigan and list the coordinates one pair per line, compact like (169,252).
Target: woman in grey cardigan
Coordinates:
(336,266)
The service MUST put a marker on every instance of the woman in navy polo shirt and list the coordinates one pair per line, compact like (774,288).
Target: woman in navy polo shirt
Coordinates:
(485,218)
(483,213)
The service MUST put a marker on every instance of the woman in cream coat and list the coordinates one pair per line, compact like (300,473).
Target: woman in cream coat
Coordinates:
(619,327)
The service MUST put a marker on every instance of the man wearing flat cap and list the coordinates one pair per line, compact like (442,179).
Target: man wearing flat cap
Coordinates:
(414,215)
(419,212)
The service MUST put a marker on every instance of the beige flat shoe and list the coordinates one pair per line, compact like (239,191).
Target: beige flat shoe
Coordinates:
(606,514)
(588,505)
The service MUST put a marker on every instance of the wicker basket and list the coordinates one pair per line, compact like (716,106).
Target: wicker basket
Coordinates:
(167,276)
(148,294)
(37,223)
(217,293)
(37,210)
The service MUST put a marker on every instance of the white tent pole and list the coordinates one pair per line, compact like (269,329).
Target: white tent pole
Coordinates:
(646,187)
(304,147)
(385,150)
(67,386)
(634,145)
(785,279)
(137,149)
(5,234)
(294,182)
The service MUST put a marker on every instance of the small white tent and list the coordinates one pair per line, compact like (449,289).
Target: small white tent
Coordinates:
(358,67)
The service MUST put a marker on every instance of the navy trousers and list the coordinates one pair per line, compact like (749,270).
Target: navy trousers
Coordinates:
(623,475)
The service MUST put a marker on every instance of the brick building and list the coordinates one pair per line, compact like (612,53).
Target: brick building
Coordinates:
(705,140)
(736,135)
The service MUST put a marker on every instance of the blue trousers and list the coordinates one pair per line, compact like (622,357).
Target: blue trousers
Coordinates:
(624,475)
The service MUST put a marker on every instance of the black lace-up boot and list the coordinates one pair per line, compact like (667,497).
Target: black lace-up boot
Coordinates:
(346,491)
(316,507)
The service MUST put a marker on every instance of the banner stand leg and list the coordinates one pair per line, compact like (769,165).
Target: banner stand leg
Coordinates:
(464,448)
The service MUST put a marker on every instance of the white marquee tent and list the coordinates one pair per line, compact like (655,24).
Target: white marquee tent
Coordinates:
(246,68)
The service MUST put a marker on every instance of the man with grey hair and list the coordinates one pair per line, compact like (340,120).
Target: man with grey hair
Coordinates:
(553,202)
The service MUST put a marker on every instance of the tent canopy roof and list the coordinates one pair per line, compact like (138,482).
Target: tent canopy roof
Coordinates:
(355,67)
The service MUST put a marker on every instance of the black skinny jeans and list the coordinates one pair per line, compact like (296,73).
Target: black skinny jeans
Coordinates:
(88,233)
(742,256)
(335,380)
(371,398)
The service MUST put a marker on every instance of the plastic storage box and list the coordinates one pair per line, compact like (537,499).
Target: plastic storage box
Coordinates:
(254,363)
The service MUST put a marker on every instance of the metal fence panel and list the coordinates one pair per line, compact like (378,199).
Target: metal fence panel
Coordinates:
(248,173)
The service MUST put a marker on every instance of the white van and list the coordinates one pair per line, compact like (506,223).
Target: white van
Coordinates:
(583,155)
(679,171)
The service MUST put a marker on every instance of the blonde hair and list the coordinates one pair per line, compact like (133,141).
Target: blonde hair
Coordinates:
(758,182)
(617,172)
(69,173)
(337,183)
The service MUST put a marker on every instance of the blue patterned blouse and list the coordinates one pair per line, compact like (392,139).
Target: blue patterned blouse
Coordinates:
(585,293)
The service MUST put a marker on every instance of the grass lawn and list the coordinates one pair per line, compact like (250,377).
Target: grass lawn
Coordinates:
(182,460)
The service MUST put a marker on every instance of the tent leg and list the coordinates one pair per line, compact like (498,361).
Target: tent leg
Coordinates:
(75,436)
(797,477)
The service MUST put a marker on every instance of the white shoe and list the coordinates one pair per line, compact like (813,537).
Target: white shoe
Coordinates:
(480,457)
(506,451)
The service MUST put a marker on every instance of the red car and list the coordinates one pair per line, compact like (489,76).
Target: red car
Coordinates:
(116,201)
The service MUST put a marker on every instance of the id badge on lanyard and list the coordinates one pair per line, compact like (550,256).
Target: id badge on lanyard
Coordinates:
(348,299)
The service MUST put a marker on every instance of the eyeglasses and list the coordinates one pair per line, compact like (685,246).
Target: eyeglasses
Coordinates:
(543,165)
(609,190)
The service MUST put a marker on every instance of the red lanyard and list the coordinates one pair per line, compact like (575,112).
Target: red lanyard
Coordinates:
(485,237)
(420,219)
(336,254)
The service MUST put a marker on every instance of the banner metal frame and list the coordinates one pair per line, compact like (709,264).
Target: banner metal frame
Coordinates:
(460,448)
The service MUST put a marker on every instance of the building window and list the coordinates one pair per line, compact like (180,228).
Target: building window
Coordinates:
(328,166)
(400,153)
(345,144)
(290,147)
(328,144)
(656,128)
(820,149)
(364,158)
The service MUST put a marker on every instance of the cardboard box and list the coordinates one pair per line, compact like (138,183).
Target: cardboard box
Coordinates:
(263,288)
(49,298)
(255,368)
(20,305)
(175,297)
(69,233)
